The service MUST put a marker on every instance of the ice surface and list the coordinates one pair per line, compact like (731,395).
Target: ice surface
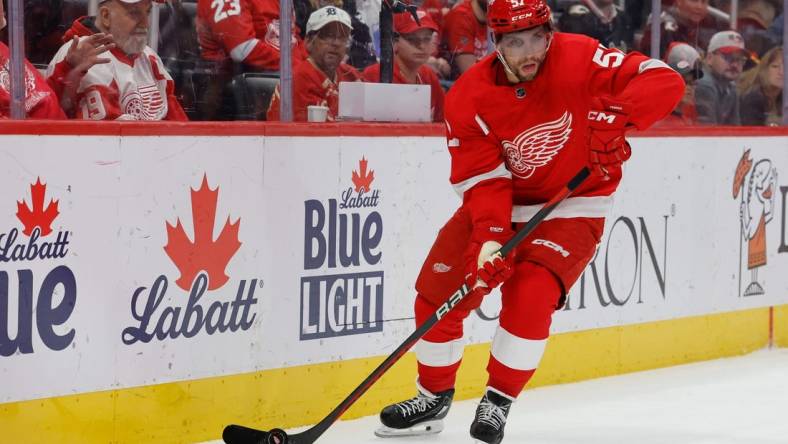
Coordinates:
(741,400)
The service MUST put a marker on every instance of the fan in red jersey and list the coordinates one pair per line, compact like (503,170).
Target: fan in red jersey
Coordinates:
(464,35)
(131,82)
(244,32)
(316,81)
(40,100)
(520,123)
(412,49)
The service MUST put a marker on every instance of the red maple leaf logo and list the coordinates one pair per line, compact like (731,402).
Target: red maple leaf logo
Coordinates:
(363,180)
(37,216)
(204,254)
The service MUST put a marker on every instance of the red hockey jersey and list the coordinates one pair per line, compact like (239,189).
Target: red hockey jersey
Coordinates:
(462,33)
(134,87)
(311,86)
(426,76)
(513,146)
(247,31)
(40,100)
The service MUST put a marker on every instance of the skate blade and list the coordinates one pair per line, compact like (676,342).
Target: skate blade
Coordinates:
(479,441)
(425,428)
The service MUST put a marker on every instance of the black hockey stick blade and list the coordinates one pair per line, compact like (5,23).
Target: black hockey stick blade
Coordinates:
(235,434)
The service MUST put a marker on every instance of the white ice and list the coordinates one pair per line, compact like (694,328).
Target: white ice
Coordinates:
(742,400)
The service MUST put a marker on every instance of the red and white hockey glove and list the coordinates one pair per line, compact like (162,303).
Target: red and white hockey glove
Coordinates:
(485,269)
(607,120)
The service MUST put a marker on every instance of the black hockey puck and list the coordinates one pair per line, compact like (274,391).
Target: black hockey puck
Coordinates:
(276,436)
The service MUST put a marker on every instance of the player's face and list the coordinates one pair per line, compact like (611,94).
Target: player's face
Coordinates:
(416,47)
(128,24)
(525,51)
(328,46)
(2,16)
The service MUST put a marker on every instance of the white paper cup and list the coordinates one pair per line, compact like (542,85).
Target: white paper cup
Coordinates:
(316,113)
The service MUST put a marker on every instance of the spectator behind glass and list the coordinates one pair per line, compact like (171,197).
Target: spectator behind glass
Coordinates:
(315,81)
(245,32)
(689,22)
(41,102)
(761,91)
(465,35)
(362,51)
(715,94)
(600,19)
(685,60)
(412,50)
(133,84)
(754,18)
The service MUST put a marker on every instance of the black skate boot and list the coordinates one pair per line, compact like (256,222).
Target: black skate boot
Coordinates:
(491,416)
(421,415)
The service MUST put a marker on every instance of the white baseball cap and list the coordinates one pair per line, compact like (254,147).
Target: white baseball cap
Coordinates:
(727,41)
(326,15)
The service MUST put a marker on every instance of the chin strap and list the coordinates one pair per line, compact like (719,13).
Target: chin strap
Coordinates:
(509,73)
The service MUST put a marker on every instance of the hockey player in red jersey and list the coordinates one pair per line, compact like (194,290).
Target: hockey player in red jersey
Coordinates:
(520,123)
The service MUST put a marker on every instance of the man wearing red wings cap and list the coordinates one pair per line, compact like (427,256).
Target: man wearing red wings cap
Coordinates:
(414,45)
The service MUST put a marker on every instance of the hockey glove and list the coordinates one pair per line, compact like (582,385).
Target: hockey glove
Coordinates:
(485,269)
(607,120)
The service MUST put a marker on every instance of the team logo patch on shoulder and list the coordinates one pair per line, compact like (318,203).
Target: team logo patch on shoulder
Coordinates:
(537,146)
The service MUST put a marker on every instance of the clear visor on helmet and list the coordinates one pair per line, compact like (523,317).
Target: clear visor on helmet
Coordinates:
(528,43)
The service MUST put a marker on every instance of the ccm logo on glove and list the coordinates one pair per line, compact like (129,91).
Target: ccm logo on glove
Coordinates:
(598,116)
(607,124)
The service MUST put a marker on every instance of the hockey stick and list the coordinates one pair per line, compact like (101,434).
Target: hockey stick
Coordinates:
(235,434)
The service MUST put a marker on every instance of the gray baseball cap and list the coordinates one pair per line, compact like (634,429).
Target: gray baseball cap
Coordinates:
(684,59)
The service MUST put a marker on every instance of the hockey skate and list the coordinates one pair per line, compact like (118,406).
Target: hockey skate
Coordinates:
(491,415)
(421,415)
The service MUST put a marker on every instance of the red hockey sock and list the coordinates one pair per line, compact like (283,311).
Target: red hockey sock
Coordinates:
(528,303)
(439,352)
(438,379)
(507,380)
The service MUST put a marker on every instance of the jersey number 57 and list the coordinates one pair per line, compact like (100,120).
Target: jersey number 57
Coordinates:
(608,58)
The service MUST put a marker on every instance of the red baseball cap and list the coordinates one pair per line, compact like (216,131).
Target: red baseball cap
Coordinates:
(405,24)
